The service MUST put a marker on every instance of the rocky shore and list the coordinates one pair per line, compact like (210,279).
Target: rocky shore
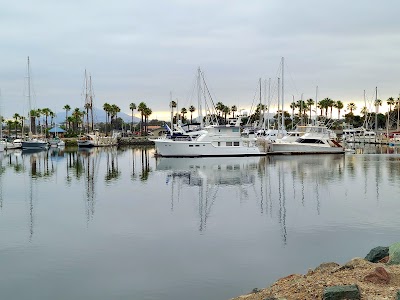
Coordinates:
(377,276)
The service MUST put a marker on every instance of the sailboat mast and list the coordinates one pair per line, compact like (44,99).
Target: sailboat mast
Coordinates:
(316,104)
(200,109)
(29,100)
(91,102)
(376,110)
(261,107)
(279,87)
(283,97)
(269,100)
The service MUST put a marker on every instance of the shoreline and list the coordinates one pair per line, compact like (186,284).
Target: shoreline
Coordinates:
(377,276)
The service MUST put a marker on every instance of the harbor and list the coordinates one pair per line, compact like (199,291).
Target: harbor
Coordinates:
(245,218)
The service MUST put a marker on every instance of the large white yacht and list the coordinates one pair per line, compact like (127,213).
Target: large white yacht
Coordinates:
(316,139)
(212,140)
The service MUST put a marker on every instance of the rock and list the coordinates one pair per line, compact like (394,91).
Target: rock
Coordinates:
(384,260)
(377,254)
(379,275)
(394,254)
(325,266)
(338,292)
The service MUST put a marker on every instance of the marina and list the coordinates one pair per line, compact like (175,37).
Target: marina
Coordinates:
(213,227)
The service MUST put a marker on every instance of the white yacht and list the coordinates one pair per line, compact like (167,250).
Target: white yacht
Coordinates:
(317,139)
(213,140)
(15,144)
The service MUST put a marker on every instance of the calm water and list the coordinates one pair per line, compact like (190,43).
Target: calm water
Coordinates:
(119,224)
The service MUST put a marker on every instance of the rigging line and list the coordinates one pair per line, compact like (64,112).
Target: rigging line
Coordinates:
(287,70)
(252,105)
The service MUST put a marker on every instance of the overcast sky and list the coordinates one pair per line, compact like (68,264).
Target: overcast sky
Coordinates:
(142,50)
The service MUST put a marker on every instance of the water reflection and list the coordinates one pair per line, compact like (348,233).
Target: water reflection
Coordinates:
(273,183)
(207,176)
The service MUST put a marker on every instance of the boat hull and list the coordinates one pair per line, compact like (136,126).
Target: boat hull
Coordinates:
(34,145)
(298,148)
(168,148)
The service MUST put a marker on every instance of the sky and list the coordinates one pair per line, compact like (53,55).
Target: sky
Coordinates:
(144,51)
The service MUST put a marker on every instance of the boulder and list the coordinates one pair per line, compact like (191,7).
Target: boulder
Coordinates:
(338,292)
(394,254)
(376,254)
(378,276)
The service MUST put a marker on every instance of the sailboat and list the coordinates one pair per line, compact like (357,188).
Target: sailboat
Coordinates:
(32,143)
(93,139)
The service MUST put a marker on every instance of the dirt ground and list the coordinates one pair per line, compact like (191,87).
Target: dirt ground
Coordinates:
(312,285)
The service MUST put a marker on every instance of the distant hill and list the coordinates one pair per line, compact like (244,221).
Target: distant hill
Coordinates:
(99,116)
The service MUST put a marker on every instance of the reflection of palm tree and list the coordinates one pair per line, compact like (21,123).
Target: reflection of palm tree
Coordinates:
(112,171)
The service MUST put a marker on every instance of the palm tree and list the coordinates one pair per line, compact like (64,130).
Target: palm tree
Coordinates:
(226,111)
(107,109)
(114,114)
(322,104)
(147,113)
(233,109)
(192,110)
(183,112)
(339,106)
(310,102)
(9,125)
(351,106)
(132,107)
(142,109)
(219,107)
(364,111)
(67,108)
(16,117)
(46,112)
(88,107)
(391,102)
(77,114)
(173,105)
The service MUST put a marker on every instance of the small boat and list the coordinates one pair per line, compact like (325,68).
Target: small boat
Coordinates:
(15,144)
(96,140)
(56,142)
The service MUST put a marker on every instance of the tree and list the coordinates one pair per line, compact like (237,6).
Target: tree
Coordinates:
(46,112)
(107,109)
(9,125)
(330,103)
(226,111)
(67,108)
(310,102)
(351,106)
(16,122)
(114,113)
(183,112)
(322,104)
(339,106)
(391,102)
(142,109)
(233,110)
(132,107)
(147,113)
(192,110)
(172,105)
(219,107)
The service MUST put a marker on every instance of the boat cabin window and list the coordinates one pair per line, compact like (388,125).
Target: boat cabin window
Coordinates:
(236,144)
(229,143)
(309,141)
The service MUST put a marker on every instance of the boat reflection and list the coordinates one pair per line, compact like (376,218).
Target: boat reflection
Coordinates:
(209,176)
